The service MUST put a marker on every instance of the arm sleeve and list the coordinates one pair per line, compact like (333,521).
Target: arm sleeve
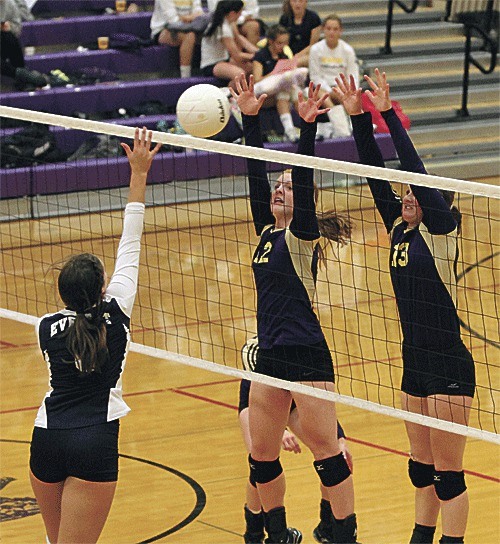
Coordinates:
(386,200)
(123,284)
(260,192)
(437,216)
(304,224)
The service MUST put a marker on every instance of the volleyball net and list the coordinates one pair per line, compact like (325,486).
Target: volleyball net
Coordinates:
(196,301)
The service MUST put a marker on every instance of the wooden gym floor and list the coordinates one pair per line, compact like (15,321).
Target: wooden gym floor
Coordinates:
(183,463)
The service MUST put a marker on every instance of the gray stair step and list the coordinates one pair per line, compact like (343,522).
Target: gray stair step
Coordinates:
(450,62)
(486,130)
(477,112)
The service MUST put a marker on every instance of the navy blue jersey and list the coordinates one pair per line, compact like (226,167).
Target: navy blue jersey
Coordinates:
(422,259)
(75,400)
(264,57)
(285,261)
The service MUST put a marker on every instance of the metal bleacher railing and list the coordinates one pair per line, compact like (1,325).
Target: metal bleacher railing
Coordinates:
(478,20)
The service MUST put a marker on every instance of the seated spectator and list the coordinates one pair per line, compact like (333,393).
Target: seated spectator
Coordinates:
(304,26)
(279,80)
(12,14)
(327,60)
(222,53)
(173,11)
(248,23)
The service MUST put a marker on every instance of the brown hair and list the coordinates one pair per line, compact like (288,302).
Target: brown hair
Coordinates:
(80,283)
(333,17)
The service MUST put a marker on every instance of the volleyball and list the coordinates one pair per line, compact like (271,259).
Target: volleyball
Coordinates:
(203,110)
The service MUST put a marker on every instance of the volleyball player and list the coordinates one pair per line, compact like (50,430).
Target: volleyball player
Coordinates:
(291,343)
(74,448)
(254,518)
(438,370)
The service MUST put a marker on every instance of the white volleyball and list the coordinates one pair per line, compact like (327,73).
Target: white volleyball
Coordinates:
(203,110)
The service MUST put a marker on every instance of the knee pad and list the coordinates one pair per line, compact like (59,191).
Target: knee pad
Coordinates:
(449,484)
(332,470)
(421,474)
(251,479)
(265,471)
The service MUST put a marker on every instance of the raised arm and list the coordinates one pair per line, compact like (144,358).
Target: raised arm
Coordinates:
(260,191)
(305,223)
(437,216)
(123,284)
(386,200)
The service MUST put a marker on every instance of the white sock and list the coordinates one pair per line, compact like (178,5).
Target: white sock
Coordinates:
(185,71)
(47,539)
(287,122)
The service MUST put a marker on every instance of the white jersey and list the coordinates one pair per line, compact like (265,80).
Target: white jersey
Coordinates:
(250,9)
(212,47)
(326,64)
(74,400)
(170,11)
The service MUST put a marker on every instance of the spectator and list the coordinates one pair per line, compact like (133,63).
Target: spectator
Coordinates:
(304,26)
(222,54)
(248,23)
(174,11)
(12,14)
(327,60)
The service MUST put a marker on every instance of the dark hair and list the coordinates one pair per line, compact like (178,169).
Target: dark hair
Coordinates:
(332,17)
(276,30)
(223,8)
(80,283)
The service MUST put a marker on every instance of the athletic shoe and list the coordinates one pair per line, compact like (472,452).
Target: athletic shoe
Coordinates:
(290,137)
(293,536)
(321,535)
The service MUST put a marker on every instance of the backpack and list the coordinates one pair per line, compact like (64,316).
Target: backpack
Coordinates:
(33,145)
(377,118)
(99,146)
(128,42)
(89,75)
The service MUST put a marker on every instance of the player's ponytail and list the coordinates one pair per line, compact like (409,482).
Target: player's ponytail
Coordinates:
(81,282)
(335,228)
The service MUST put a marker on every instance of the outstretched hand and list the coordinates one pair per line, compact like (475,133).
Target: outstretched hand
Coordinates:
(348,94)
(245,97)
(312,107)
(141,157)
(379,95)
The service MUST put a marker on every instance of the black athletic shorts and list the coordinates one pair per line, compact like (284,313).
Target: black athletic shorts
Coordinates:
(88,453)
(447,372)
(297,363)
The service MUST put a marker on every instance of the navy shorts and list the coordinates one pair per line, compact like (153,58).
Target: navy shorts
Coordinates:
(87,453)
(430,372)
(297,363)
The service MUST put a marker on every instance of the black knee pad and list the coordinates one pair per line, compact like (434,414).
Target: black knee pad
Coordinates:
(421,474)
(264,471)
(332,470)
(251,479)
(449,484)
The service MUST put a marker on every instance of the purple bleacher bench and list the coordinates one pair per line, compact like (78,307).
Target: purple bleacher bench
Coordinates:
(150,59)
(104,96)
(115,172)
(48,6)
(85,29)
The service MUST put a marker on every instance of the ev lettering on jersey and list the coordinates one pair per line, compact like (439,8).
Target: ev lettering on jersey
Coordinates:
(60,325)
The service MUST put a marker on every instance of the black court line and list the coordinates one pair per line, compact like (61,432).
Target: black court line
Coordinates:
(462,323)
(201,498)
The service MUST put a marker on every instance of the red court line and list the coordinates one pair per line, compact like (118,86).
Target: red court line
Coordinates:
(232,407)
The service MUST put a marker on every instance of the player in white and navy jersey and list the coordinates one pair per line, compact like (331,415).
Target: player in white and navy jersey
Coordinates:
(291,343)
(438,370)
(74,448)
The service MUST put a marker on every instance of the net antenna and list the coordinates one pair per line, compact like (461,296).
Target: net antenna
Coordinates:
(196,301)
